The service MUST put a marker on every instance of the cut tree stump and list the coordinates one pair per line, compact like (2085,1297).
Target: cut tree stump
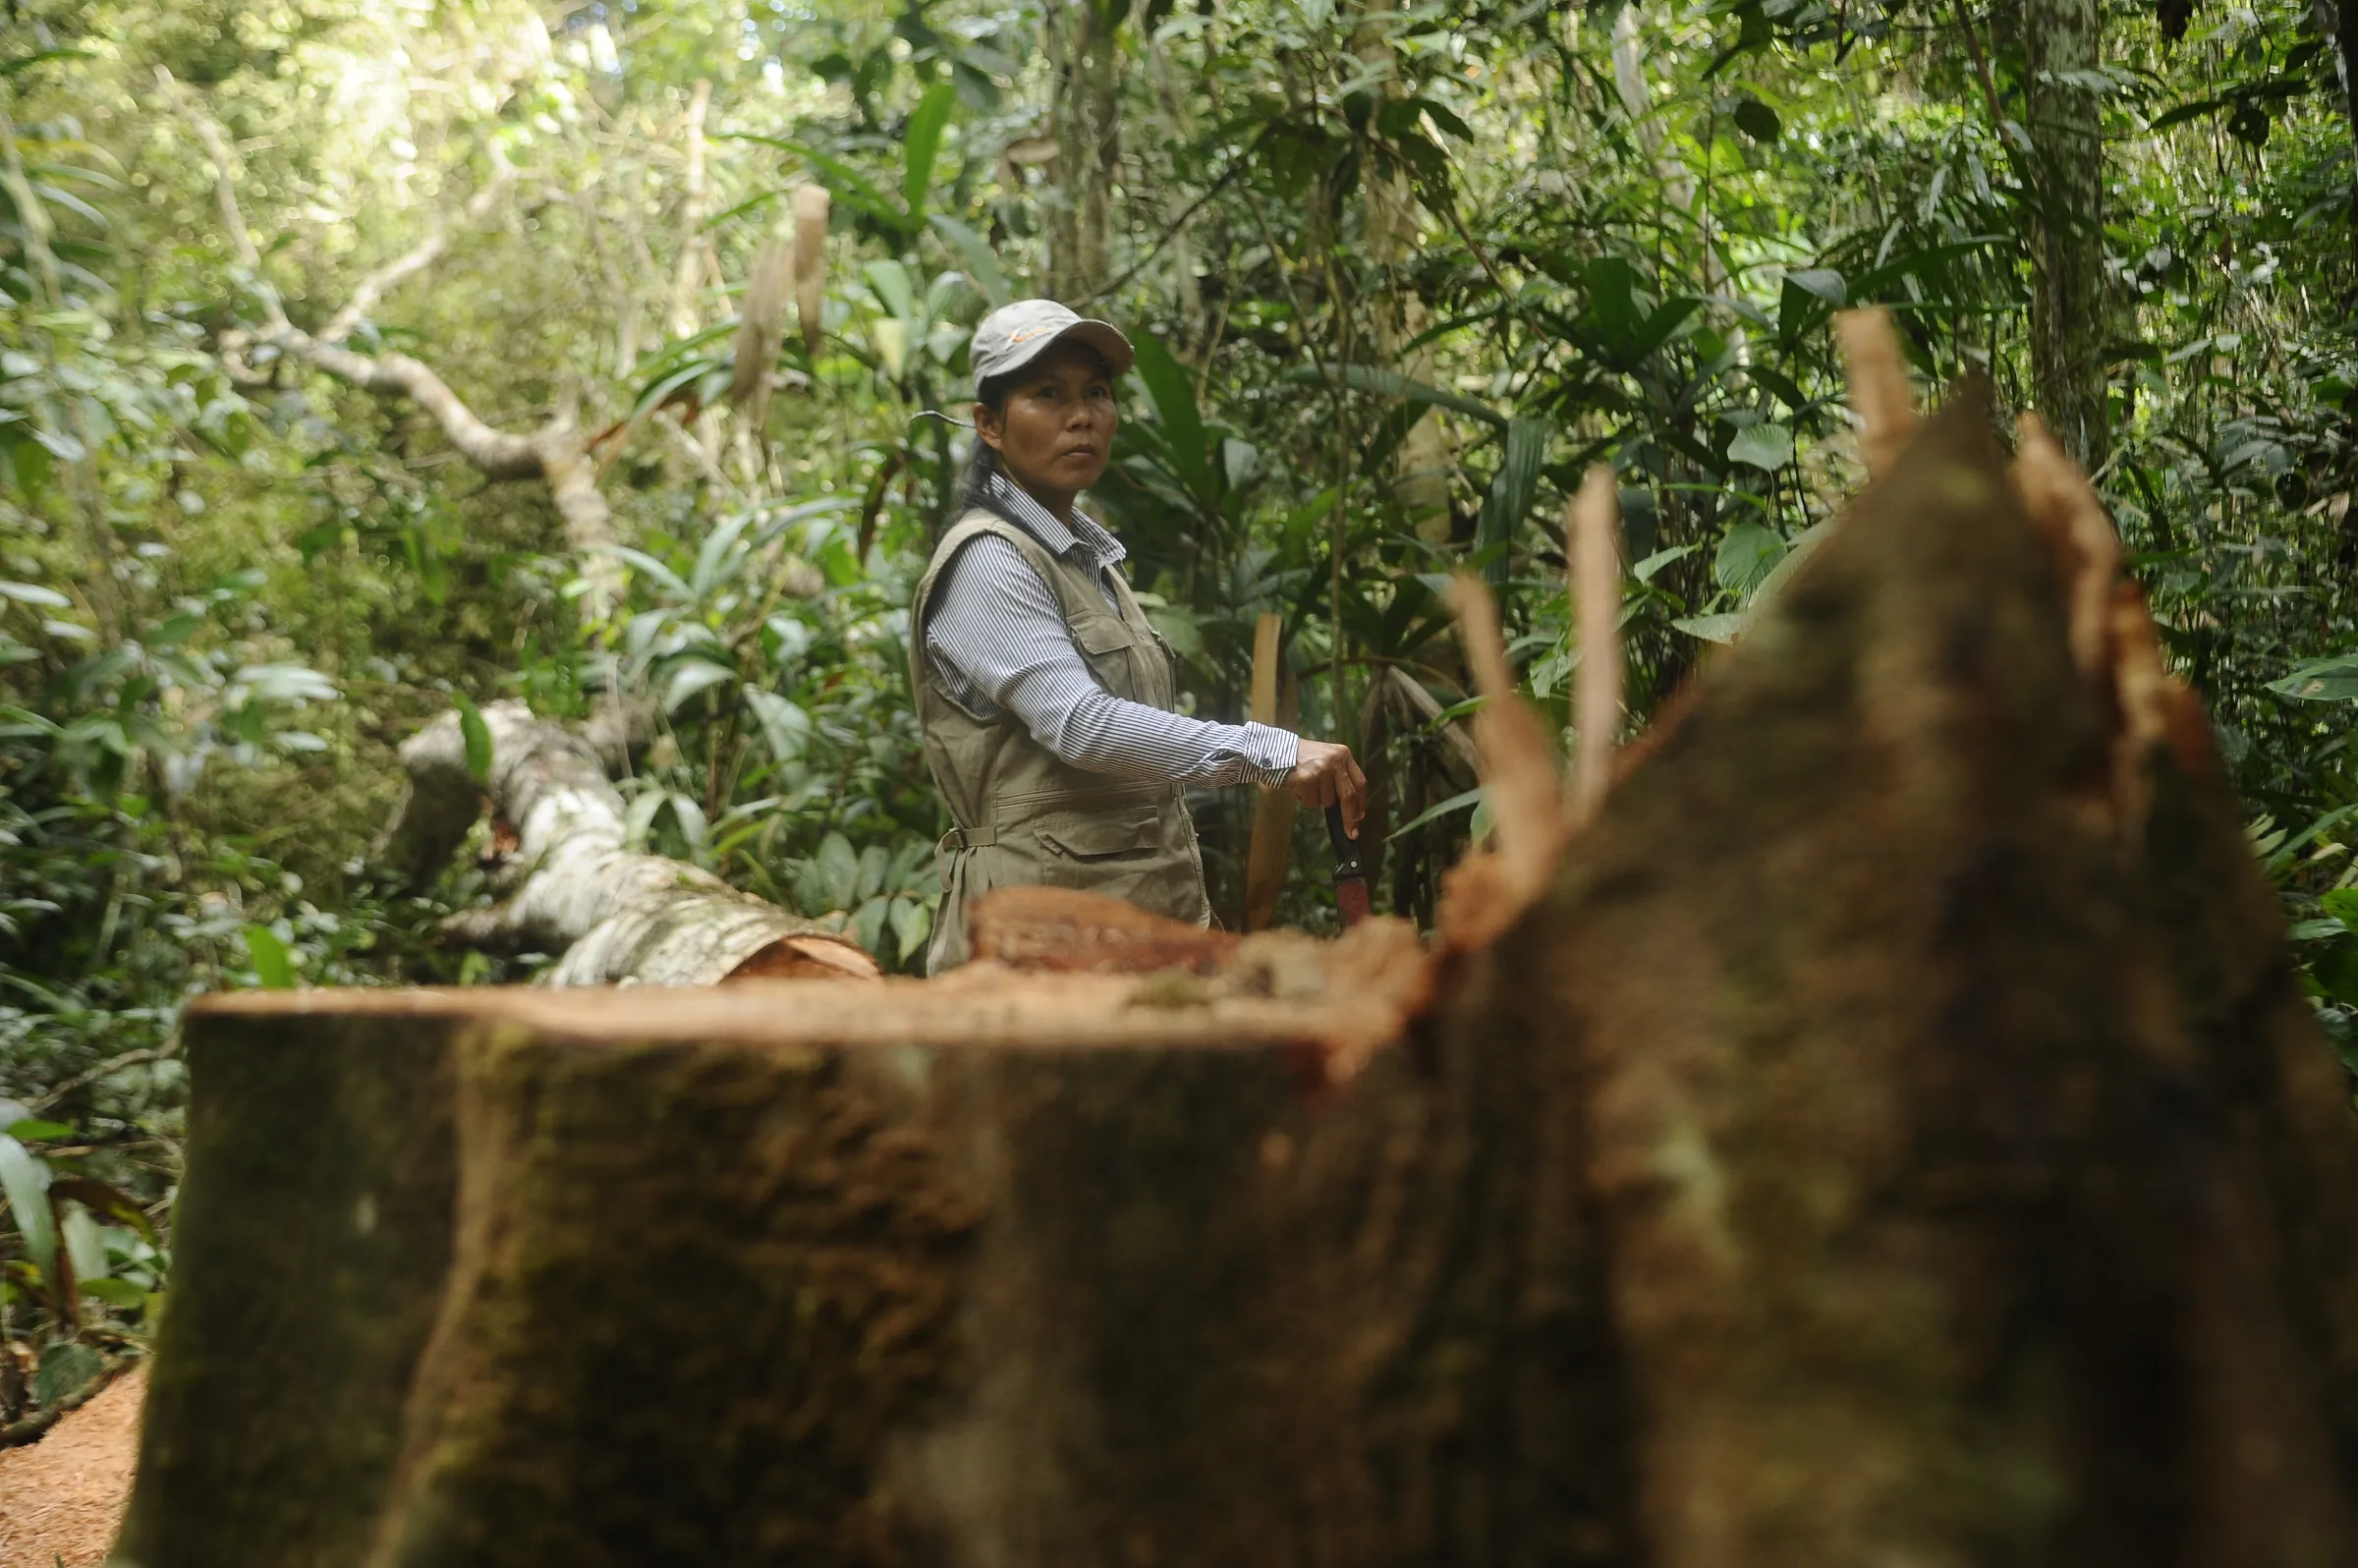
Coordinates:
(1891,1136)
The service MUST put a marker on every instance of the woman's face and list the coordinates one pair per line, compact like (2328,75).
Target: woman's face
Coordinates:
(1056,432)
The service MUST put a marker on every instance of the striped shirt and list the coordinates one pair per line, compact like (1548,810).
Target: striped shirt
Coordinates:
(999,643)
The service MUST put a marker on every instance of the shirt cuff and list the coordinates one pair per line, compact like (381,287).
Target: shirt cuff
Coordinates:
(1269,752)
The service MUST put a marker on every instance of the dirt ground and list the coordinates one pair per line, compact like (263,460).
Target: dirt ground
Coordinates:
(62,1498)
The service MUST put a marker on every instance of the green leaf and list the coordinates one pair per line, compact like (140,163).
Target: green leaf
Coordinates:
(691,817)
(975,256)
(1174,393)
(912,923)
(32,1130)
(890,282)
(25,464)
(1455,803)
(720,555)
(925,125)
(1808,297)
(25,62)
(1512,490)
(847,184)
(476,736)
(690,676)
(115,1292)
(640,818)
(2331,680)
(785,727)
(875,864)
(1757,121)
(25,1183)
(1745,554)
(1796,552)
(838,872)
(34,594)
(1645,569)
(1392,384)
(272,965)
(1766,447)
(1711,628)
(67,1368)
(671,581)
(2337,972)
(85,1249)
(2342,904)
(286,683)
(867,925)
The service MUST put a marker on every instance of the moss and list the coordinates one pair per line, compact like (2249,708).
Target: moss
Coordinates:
(699,1287)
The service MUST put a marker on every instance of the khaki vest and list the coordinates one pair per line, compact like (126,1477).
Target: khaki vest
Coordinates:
(1026,817)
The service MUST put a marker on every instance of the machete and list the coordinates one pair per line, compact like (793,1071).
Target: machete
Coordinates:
(1350,871)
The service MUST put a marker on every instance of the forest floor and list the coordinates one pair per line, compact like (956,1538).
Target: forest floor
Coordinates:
(62,1498)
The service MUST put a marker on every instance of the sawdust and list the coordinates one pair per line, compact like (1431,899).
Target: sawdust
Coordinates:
(61,1499)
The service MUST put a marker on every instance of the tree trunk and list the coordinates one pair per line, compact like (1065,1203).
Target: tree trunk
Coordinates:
(2061,39)
(1891,1134)
(1421,465)
(2336,22)
(574,888)
(1086,52)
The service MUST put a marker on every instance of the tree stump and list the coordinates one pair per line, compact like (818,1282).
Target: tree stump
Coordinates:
(1892,1136)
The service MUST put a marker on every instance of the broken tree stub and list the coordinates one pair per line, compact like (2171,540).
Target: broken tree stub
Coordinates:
(1891,1136)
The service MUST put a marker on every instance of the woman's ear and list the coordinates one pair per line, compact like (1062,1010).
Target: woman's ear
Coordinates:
(990,426)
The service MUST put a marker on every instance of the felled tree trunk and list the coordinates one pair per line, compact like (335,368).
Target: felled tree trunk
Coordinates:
(617,917)
(1890,1135)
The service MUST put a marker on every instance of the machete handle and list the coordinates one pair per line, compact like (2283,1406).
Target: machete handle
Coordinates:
(1347,864)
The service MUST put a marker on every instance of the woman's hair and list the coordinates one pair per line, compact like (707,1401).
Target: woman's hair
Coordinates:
(982,465)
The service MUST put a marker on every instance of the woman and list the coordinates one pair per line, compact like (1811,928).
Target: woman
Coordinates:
(1048,702)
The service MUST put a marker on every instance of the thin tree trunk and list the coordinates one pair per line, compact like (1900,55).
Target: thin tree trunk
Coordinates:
(2062,39)
(689,264)
(2337,24)
(1421,465)
(1086,52)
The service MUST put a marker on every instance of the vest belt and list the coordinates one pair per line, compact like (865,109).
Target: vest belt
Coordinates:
(1041,802)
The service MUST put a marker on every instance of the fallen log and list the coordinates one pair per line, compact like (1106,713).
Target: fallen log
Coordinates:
(574,888)
(1888,1133)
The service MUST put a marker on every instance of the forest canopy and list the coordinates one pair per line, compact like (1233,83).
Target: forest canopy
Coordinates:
(368,362)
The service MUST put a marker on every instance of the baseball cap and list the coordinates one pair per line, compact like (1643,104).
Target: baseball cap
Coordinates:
(1014,335)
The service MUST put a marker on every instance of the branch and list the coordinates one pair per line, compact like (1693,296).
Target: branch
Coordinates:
(552,454)
(377,285)
(113,1064)
(499,454)
(1429,711)
(682,318)
(225,190)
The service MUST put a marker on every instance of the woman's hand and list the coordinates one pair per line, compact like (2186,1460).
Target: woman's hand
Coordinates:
(1325,774)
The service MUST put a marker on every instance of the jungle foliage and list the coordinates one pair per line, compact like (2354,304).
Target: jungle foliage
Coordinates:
(1397,275)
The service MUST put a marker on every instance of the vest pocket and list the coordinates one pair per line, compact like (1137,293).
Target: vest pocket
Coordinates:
(1106,646)
(1103,835)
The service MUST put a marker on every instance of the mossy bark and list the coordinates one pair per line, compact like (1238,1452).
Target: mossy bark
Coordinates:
(1894,1137)
(309,1254)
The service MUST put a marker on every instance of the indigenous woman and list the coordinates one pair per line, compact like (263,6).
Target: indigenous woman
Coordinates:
(1048,703)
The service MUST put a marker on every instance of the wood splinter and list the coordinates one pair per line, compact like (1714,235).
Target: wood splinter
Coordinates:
(1593,524)
(1487,890)
(1879,391)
